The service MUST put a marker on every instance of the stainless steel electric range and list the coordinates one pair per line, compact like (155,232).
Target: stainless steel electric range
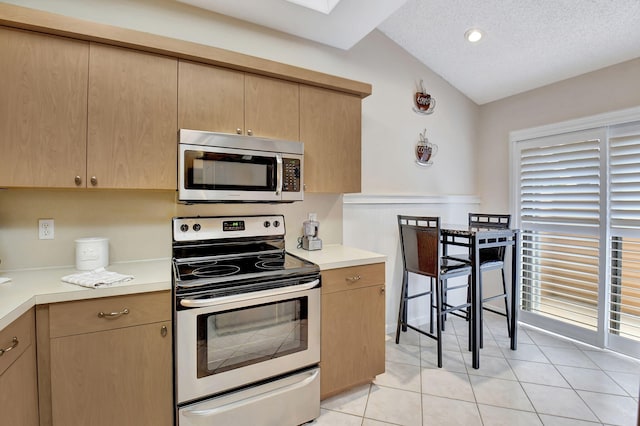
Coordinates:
(247,324)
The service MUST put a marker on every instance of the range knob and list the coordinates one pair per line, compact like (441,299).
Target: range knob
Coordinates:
(196,227)
(276,223)
(184,227)
(267,224)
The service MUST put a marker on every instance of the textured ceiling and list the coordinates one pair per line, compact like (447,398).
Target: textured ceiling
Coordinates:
(527,44)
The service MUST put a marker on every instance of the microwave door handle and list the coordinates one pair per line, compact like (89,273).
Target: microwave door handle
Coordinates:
(279,173)
(202,303)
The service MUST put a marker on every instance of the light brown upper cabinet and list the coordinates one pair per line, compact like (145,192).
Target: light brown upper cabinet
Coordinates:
(43,109)
(132,130)
(330,127)
(222,100)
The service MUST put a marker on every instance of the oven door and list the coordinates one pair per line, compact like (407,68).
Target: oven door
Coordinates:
(228,342)
(228,174)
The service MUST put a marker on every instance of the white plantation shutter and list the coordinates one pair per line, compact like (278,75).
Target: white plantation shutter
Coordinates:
(559,215)
(560,184)
(624,201)
(624,177)
(577,203)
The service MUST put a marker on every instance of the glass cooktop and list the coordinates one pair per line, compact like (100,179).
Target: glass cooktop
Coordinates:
(232,268)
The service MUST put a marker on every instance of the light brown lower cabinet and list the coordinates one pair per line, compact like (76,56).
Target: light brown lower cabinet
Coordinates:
(107,367)
(353,327)
(18,378)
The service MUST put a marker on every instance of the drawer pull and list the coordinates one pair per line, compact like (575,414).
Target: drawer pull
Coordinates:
(125,311)
(354,278)
(14,343)
(163,331)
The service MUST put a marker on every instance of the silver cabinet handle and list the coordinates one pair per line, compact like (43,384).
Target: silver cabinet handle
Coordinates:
(14,343)
(101,314)
(250,132)
(94,180)
(78,180)
(353,279)
(239,131)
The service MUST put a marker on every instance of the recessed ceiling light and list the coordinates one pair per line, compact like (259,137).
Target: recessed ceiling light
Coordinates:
(324,6)
(473,35)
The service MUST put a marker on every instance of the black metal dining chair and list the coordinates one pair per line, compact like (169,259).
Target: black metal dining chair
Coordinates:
(422,255)
(490,259)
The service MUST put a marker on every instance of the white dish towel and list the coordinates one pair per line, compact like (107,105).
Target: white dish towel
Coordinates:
(97,278)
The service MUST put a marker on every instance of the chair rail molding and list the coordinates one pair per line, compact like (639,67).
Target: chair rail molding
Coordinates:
(409,199)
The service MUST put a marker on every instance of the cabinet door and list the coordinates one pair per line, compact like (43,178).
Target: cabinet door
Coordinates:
(43,109)
(272,108)
(352,338)
(19,391)
(115,377)
(132,139)
(210,98)
(330,129)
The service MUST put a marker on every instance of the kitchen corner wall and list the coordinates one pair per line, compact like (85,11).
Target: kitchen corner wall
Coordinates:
(137,222)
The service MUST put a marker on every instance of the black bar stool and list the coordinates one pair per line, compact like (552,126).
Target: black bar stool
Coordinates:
(490,259)
(422,255)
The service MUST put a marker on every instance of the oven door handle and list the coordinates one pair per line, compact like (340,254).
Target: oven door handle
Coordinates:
(202,303)
(247,401)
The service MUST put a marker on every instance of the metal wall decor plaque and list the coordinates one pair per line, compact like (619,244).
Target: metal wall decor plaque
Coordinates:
(424,102)
(425,150)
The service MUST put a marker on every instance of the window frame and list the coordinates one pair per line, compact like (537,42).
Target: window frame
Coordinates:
(598,124)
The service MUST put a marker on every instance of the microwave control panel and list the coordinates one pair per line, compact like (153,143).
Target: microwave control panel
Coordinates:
(291,175)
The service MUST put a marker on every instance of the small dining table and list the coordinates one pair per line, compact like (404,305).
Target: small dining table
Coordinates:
(475,239)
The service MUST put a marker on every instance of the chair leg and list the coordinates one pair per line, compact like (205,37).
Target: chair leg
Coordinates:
(506,304)
(439,319)
(431,307)
(402,309)
(469,312)
(480,311)
(444,302)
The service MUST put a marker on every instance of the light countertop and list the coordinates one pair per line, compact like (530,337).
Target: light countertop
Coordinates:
(28,288)
(334,256)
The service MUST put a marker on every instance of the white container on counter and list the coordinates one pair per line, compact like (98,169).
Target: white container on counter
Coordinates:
(92,253)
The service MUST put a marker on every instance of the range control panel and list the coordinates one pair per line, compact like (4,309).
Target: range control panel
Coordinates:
(215,228)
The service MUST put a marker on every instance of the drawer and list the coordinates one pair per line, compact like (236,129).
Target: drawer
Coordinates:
(107,313)
(352,277)
(23,330)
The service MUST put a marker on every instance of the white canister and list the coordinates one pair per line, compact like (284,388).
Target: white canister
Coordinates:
(92,253)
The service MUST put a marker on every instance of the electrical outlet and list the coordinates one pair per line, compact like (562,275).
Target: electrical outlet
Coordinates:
(45,229)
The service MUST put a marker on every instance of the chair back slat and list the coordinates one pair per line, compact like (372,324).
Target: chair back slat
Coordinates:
(485,220)
(420,244)
(493,221)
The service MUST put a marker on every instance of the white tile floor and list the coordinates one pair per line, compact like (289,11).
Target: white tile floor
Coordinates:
(547,381)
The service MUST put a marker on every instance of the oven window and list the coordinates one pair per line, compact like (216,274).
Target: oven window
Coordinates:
(208,170)
(237,338)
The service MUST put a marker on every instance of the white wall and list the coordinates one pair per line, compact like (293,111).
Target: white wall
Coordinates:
(390,131)
(609,89)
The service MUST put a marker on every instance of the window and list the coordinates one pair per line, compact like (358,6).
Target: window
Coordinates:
(577,203)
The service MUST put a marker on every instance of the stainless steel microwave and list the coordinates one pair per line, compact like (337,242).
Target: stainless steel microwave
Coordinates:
(222,168)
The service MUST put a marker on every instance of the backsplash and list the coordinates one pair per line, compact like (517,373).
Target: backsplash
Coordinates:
(137,223)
